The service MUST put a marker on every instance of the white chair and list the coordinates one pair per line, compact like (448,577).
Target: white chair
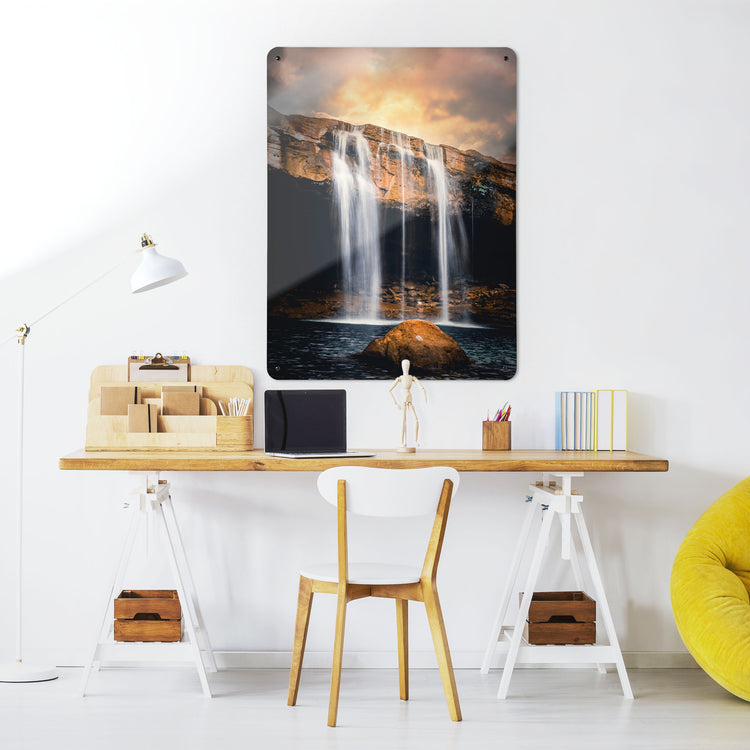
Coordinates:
(394,493)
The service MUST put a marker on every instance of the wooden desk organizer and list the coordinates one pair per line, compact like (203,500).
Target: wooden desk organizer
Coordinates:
(209,431)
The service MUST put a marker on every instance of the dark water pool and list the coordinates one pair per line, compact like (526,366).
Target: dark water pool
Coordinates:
(322,350)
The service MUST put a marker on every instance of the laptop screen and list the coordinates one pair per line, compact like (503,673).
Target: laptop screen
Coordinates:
(305,421)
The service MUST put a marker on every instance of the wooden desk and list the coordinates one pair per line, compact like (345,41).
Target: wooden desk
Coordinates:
(547,500)
(461,460)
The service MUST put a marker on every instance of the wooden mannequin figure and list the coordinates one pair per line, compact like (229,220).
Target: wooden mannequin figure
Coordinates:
(406,381)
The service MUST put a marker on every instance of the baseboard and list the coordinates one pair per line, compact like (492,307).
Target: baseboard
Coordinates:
(426,660)
(369,659)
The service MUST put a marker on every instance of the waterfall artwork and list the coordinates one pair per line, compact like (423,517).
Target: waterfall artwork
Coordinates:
(391,212)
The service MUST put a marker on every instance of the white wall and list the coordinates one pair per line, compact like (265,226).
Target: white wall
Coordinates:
(150,116)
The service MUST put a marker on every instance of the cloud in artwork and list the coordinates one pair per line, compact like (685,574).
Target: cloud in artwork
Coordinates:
(462,97)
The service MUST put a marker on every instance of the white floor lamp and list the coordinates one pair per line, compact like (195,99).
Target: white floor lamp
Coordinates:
(154,271)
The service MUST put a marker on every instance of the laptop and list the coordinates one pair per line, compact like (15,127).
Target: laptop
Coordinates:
(307,424)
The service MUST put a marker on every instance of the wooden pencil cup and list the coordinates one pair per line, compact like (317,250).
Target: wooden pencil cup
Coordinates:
(495,436)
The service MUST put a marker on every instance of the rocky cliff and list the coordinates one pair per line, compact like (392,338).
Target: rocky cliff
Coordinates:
(303,147)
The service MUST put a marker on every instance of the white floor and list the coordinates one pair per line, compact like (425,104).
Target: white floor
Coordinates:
(547,708)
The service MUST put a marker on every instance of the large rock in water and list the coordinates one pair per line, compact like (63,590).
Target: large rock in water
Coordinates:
(422,343)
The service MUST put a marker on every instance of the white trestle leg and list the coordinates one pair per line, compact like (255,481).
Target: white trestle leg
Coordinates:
(510,584)
(173,530)
(550,500)
(153,506)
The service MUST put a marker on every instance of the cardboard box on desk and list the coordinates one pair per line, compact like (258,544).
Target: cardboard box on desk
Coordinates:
(182,388)
(142,417)
(182,403)
(117,398)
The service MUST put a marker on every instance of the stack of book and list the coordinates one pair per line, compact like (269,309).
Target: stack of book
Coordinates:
(591,420)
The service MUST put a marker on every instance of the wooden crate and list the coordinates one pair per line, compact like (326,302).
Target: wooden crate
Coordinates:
(152,615)
(560,618)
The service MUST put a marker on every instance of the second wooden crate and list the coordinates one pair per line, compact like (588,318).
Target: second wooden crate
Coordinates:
(152,615)
(560,618)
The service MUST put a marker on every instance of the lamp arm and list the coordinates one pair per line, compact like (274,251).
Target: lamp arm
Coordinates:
(81,290)
(20,334)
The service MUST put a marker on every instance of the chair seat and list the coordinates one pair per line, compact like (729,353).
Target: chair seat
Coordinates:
(364,573)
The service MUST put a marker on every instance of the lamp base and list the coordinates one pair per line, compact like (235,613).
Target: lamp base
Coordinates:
(17,671)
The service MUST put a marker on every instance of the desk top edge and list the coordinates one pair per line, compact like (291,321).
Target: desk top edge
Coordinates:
(460,459)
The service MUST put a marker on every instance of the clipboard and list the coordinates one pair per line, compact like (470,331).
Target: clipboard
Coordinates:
(159,368)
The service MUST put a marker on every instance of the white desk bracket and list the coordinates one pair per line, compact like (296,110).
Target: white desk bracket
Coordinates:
(550,499)
(151,504)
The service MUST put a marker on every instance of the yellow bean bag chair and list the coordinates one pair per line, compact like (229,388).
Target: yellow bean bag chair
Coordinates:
(709,586)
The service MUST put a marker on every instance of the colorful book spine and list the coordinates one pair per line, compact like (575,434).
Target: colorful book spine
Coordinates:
(612,419)
(591,420)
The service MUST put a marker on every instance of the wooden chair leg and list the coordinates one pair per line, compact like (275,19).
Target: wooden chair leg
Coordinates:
(440,640)
(304,603)
(402,627)
(338,654)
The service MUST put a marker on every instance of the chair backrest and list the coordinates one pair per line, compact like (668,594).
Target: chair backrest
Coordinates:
(392,493)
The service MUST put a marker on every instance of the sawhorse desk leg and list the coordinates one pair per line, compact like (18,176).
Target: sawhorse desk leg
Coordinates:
(154,501)
(551,500)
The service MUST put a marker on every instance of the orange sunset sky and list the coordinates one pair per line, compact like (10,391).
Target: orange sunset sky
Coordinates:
(462,97)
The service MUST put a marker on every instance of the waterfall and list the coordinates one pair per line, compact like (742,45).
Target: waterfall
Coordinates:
(359,228)
(356,206)
(449,231)
(402,144)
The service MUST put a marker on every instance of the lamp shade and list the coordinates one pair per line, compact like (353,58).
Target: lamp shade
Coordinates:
(155,270)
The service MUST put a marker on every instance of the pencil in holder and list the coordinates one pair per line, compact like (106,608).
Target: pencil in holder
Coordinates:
(495,436)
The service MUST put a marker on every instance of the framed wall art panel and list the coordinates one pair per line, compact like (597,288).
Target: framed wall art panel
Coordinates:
(391,212)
